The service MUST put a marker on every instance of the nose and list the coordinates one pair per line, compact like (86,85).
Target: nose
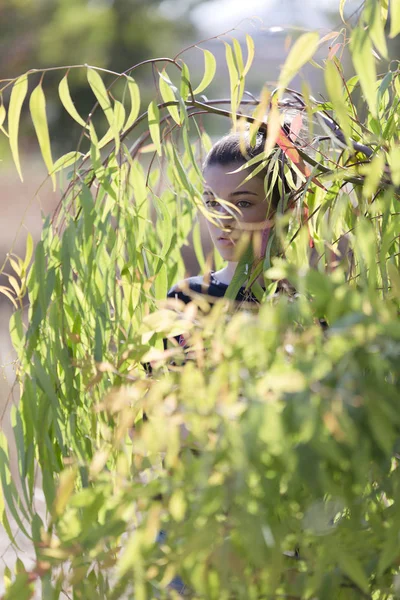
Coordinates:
(227,217)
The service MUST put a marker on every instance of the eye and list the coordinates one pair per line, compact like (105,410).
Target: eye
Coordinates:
(212,203)
(243,204)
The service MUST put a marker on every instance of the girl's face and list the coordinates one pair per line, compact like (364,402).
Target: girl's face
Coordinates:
(250,209)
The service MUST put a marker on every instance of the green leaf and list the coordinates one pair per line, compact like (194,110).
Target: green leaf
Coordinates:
(250,54)
(376,26)
(210,66)
(302,51)
(185,82)
(364,64)
(167,93)
(341,9)
(3,114)
(334,86)
(351,566)
(374,173)
(66,100)
(66,161)
(17,98)
(394,18)
(234,80)
(37,106)
(134,93)
(153,114)
(99,90)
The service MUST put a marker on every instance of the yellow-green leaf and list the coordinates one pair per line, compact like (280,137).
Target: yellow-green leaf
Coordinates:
(100,91)
(185,82)
(334,87)
(66,160)
(153,115)
(376,26)
(364,64)
(17,98)
(341,9)
(394,161)
(394,18)
(66,100)
(134,93)
(37,106)
(374,173)
(29,250)
(234,81)
(65,489)
(302,51)
(210,66)
(2,116)
(168,95)
(250,54)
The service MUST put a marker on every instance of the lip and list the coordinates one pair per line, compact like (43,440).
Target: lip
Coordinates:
(225,241)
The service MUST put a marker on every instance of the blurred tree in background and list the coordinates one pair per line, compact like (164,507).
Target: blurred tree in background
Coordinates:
(113,34)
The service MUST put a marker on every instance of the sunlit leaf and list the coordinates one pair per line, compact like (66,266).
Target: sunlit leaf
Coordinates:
(99,89)
(250,54)
(334,86)
(302,51)
(154,125)
(210,67)
(364,64)
(17,98)
(37,106)
(65,97)
(134,94)
(394,18)
(167,92)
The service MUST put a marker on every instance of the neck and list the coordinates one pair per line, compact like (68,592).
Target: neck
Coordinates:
(225,275)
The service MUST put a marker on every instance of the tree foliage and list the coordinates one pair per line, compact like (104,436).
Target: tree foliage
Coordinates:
(286,481)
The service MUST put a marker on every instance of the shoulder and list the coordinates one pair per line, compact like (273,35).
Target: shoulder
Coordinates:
(191,283)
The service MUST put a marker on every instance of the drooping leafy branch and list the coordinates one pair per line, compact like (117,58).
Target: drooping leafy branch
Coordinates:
(291,430)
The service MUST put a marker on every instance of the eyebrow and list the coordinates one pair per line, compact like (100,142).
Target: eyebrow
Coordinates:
(238,193)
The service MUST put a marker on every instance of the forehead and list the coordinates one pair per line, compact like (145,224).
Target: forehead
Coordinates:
(222,182)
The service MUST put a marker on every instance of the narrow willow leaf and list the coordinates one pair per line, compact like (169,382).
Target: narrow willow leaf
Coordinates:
(302,51)
(65,488)
(99,90)
(37,106)
(234,81)
(364,64)
(153,114)
(168,95)
(66,161)
(134,94)
(374,173)
(210,66)
(341,9)
(394,18)
(237,50)
(334,87)
(198,247)
(66,100)
(394,161)
(185,82)
(259,114)
(250,54)
(3,115)
(376,26)
(29,250)
(17,98)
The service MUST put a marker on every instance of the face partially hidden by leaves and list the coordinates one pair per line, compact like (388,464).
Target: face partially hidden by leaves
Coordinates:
(240,206)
